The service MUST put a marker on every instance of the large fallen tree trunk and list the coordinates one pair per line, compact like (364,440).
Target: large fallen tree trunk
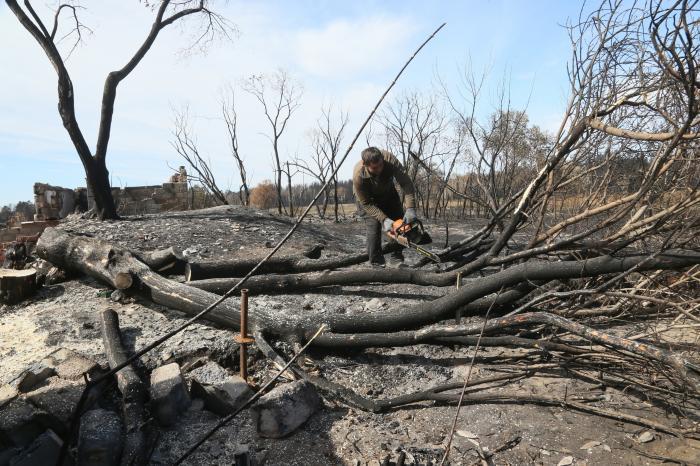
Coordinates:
(104,262)
(293,264)
(273,283)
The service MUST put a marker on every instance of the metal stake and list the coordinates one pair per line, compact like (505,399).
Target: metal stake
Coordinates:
(242,338)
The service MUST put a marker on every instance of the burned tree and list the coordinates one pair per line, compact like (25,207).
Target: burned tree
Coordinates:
(279,97)
(186,147)
(416,124)
(94,163)
(228,111)
(325,143)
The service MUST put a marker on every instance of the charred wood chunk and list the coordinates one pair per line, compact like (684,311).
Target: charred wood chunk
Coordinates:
(280,412)
(15,285)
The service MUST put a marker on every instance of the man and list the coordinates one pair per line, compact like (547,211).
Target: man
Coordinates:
(379,202)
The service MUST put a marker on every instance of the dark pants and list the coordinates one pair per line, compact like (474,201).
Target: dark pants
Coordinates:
(393,208)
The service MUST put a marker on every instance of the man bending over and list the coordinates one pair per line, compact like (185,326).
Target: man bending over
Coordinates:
(379,203)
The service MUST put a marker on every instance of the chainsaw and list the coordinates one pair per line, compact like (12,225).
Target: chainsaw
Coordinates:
(411,235)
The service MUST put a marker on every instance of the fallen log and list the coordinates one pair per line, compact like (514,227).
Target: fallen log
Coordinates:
(15,285)
(162,260)
(103,261)
(274,283)
(291,264)
(89,256)
(132,389)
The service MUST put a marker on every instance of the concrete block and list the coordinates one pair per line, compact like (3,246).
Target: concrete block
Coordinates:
(236,389)
(210,374)
(224,397)
(70,365)
(43,450)
(169,395)
(21,422)
(58,398)
(100,439)
(280,412)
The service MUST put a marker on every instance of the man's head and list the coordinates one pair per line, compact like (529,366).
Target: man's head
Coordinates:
(373,161)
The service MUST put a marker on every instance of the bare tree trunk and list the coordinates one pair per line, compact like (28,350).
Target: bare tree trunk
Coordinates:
(289,191)
(95,165)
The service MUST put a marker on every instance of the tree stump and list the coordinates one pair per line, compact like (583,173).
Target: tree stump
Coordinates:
(15,285)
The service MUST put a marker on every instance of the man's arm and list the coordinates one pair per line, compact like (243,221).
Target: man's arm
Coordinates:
(404,180)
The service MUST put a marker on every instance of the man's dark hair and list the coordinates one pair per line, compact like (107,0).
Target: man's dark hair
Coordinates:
(371,155)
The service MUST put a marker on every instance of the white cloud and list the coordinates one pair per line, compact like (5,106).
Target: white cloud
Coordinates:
(345,48)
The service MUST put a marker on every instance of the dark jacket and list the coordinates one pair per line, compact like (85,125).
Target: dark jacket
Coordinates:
(371,192)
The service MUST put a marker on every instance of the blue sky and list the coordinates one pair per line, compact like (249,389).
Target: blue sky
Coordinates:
(343,53)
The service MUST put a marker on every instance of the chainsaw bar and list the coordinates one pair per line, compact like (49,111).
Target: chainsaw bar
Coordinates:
(403,241)
(426,253)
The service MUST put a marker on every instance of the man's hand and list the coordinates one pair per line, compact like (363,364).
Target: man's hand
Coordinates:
(388,224)
(410,215)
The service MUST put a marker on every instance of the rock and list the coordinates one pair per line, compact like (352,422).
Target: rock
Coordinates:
(280,412)
(224,397)
(71,365)
(210,373)
(21,422)
(169,395)
(100,439)
(589,445)
(374,304)
(58,398)
(566,461)
(645,437)
(43,450)
(236,389)
(65,363)
(117,296)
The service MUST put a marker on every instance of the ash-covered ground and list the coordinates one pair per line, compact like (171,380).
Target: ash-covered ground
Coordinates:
(67,315)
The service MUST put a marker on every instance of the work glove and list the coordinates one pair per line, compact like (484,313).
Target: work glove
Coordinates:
(410,215)
(388,224)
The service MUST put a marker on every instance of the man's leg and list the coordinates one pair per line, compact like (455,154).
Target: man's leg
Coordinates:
(395,211)
(374,240)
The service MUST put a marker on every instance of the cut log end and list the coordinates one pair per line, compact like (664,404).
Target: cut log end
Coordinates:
(123,281)
(15,285)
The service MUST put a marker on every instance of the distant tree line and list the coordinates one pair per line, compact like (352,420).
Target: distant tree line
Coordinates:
(23,211)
